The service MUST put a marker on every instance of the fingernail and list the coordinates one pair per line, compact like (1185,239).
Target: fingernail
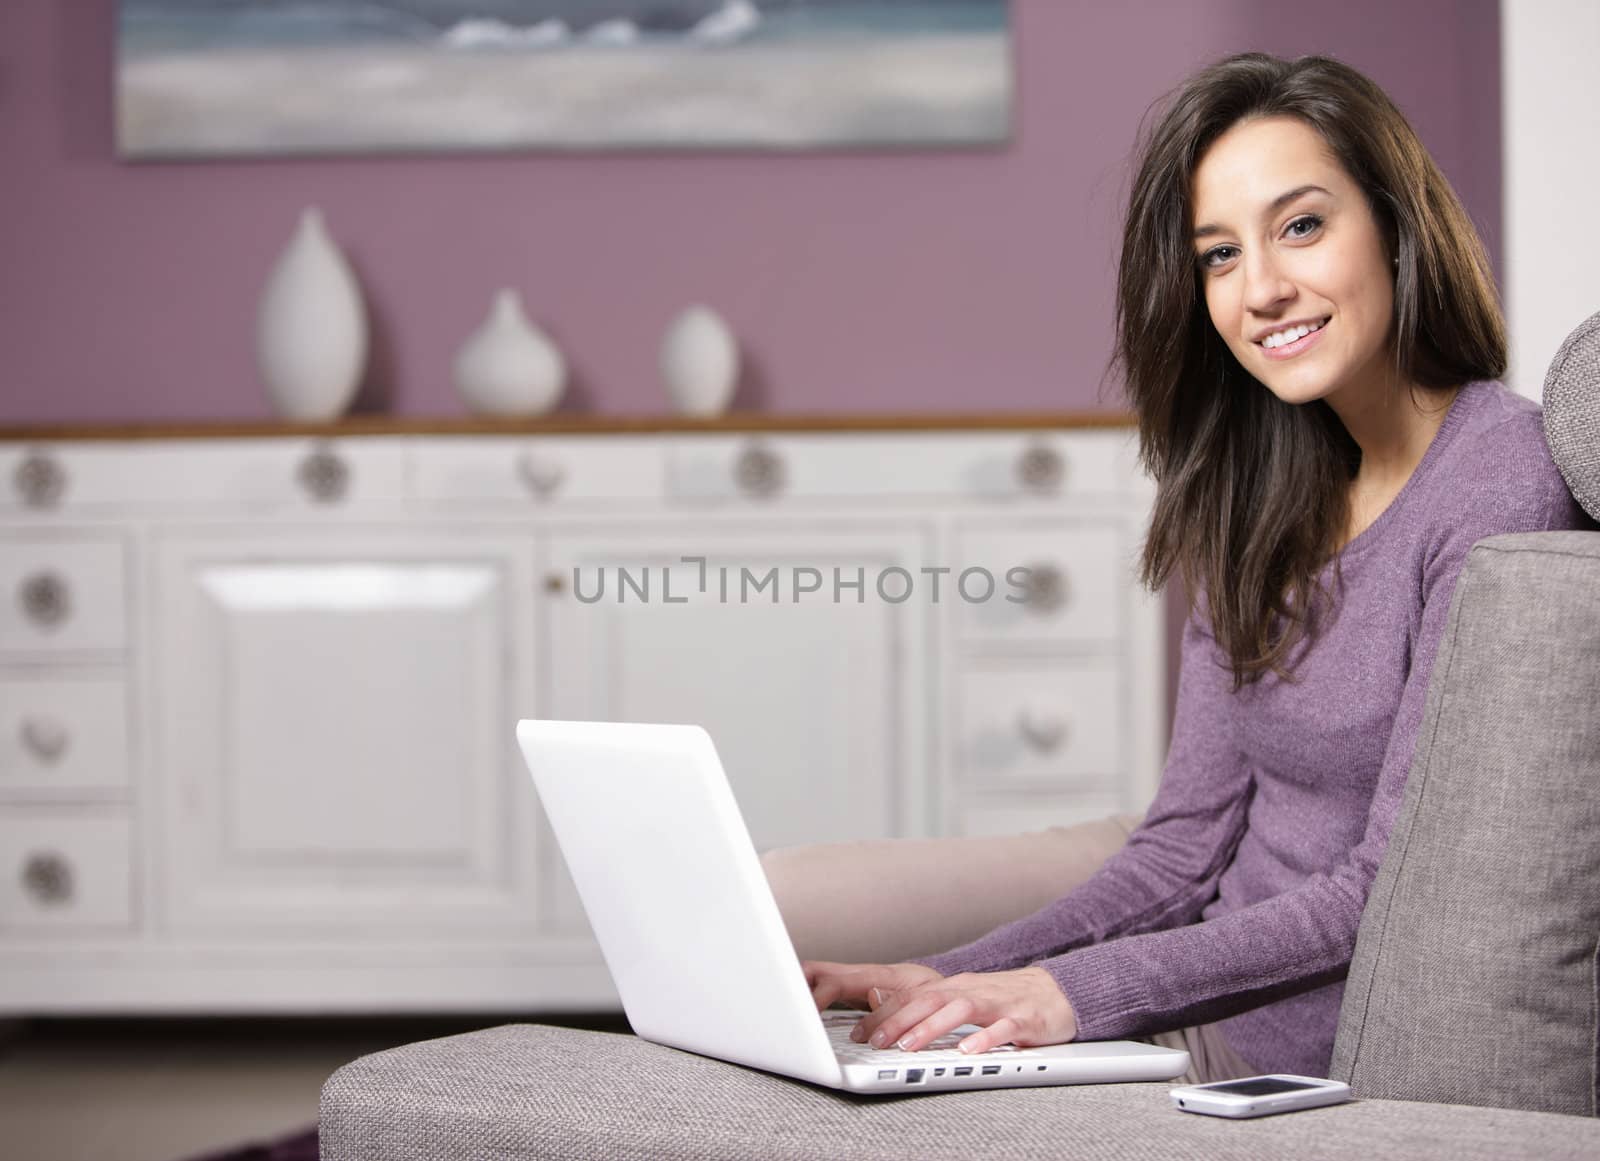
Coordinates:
(905,1042)
(877,994)
(965,1046)
(880,1038)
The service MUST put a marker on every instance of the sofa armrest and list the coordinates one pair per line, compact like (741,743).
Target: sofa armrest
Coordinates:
(532,1091)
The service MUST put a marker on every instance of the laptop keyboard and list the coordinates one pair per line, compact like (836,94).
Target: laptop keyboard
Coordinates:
(838,1023)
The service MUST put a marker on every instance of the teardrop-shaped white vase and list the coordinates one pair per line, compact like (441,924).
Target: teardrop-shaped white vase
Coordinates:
(508,366)
(699,362)
(311,334)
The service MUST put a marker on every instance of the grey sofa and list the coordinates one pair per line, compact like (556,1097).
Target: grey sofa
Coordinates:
(1470,1026)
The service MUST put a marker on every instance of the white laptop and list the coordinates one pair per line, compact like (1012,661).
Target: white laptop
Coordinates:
(677,897)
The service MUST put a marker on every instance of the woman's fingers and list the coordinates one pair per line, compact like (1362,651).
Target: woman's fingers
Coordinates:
(909,1021)
(1023,1007)
(1002,1031)
(861,985)
(877,997)
(819,967)
(951,1016)
(825,993)
(835,982)
(816,968)
(868,1026)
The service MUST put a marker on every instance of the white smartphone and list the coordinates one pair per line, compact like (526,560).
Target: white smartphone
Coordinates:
(1259,1096)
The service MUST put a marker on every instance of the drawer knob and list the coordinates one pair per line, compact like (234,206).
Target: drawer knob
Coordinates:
(541,475)
(758,470)
(324,475)
(46,601)
(1041,468)
(1045,589)
(45,737)
(1043,732)
(47,876)
(40,480)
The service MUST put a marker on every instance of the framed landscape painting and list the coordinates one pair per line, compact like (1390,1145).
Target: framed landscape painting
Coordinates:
(214,78)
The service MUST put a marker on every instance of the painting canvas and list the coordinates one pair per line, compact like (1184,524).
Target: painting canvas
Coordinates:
(262,77)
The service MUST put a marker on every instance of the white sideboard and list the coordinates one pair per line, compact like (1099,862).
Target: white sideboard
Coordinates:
(258,690)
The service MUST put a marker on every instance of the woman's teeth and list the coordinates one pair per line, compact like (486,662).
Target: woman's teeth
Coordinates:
(1289,336)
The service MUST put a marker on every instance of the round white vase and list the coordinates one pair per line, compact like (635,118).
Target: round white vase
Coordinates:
(311,333)
(508,366)
(699,362)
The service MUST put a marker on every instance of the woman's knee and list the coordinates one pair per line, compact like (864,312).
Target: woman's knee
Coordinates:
(779,865)
(805,875)
(791,862)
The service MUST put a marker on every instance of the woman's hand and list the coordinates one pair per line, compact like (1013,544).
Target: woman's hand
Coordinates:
(853,983)
(1024,1007)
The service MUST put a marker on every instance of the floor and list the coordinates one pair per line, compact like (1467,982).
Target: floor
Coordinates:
(171,1089)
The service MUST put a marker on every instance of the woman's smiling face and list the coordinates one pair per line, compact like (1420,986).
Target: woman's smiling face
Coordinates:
(1268,261)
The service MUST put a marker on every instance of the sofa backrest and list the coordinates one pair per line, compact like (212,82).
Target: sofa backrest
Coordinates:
(1476,973)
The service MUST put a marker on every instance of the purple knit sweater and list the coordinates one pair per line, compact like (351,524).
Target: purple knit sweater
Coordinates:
(1238,897)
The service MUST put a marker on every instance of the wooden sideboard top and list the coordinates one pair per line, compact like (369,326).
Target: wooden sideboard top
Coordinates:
(750,421)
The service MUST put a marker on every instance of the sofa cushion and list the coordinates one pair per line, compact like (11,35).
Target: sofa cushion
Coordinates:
(1572,413)
(527,1091)
(1474,979)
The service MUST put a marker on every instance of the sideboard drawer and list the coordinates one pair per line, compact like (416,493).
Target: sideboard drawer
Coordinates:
(1072,589)
(64,869)
(979,466)
(1052,723)
(542,469)
(61,593)
(62,733)
(263,475)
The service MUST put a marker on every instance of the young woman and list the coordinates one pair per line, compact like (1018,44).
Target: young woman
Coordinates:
(1308,329)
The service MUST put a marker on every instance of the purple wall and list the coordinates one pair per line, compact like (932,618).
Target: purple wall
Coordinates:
(901,281)
(855,282)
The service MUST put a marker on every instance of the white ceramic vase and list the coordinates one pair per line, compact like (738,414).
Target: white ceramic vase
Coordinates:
(311,332)
(508,366)
(699,362)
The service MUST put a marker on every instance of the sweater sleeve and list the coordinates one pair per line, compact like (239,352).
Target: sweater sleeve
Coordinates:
(1168,870)
(1304,937)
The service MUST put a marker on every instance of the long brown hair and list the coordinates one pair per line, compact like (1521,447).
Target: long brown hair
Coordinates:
(1252,493)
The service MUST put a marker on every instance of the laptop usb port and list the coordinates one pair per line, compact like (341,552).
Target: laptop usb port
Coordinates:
(913,1076)
(886,1074)
(965,1070)
(990,1069)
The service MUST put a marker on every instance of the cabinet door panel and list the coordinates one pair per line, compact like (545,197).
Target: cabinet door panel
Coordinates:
(816,708)
(335,719)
